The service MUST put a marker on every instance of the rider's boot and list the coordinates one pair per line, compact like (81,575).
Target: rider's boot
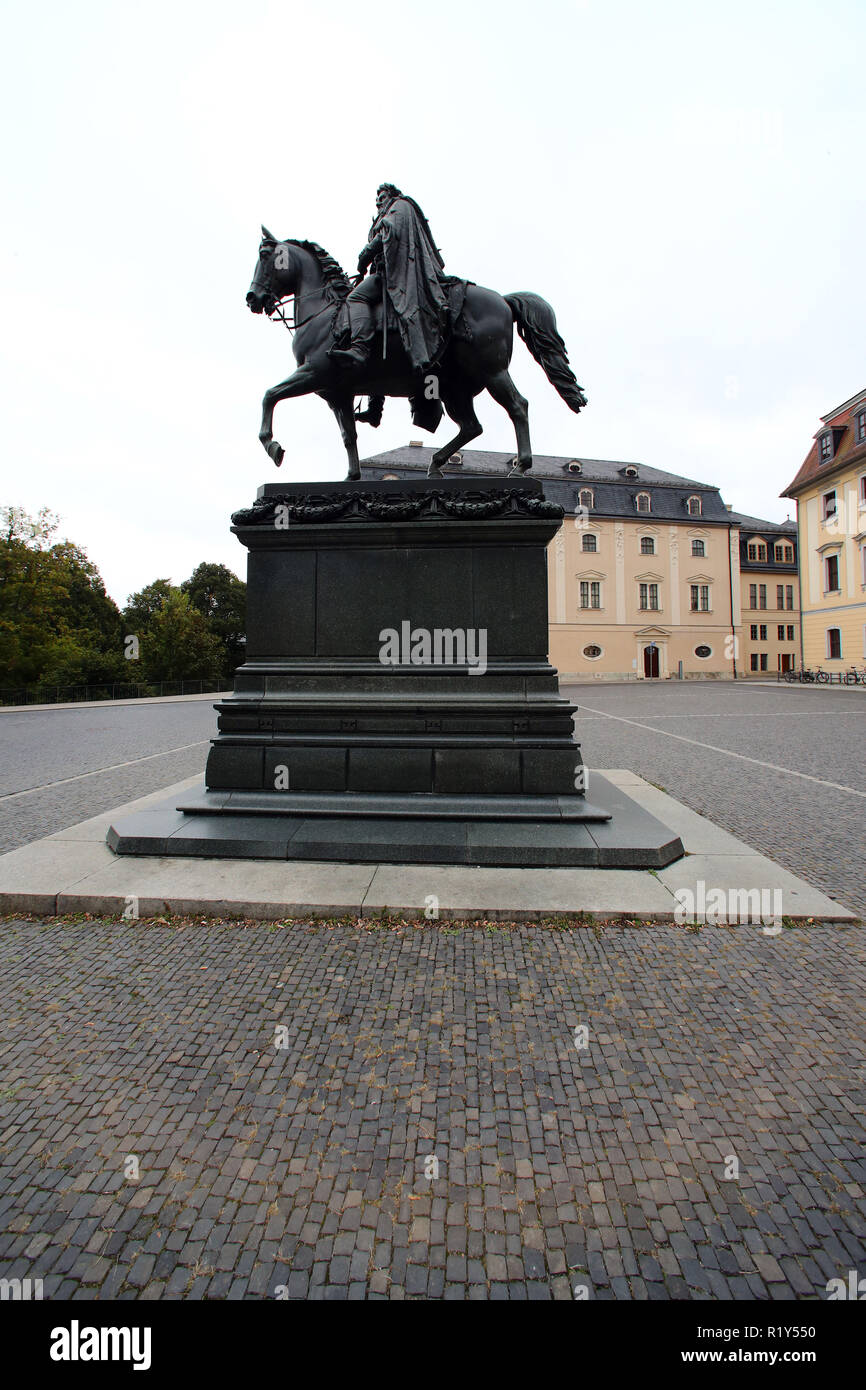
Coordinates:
(363,332)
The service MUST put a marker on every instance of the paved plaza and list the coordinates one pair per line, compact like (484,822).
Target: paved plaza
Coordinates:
(386,1110)
(429,1122)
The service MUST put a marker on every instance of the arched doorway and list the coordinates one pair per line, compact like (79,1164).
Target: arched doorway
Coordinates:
(651,661)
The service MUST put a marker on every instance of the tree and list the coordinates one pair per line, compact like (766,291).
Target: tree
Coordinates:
(221,598)
(178,644)
(57,624)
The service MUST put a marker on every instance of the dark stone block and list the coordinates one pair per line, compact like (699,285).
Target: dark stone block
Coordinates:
(464,771)
(549,771)
(389,769)
(235,765)
(309,769)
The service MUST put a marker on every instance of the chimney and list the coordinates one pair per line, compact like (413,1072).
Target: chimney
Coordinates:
(416,443)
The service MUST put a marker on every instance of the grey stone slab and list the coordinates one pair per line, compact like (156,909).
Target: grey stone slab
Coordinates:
(144,832)
(521,894)
(96,828)
(518,842)
(31,878)
(738,874)
(632,837)
(382,841)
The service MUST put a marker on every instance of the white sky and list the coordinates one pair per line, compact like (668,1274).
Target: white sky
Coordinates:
(682,181)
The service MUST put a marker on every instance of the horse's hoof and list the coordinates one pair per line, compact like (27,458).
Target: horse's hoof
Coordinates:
(519,468)
(434,472)
(279,456)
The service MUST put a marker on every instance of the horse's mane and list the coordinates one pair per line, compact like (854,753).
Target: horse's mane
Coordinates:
(334,279)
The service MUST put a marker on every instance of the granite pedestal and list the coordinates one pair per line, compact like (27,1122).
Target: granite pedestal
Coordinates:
(396,701)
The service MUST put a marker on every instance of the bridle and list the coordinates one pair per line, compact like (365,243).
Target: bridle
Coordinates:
(278,313)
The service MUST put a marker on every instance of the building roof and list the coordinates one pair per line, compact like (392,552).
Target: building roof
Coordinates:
(754,523)
(839,423)
(613,489)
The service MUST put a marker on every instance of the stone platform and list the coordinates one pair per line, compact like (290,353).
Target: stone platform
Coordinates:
(75,871)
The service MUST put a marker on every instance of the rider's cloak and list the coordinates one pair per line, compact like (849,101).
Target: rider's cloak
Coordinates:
(416,285)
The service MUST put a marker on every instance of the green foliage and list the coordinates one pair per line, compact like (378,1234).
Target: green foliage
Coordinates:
(179,645)
(59,627)
(221,598)
(57,624)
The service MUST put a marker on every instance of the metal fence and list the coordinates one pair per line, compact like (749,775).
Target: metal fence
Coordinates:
(116,690)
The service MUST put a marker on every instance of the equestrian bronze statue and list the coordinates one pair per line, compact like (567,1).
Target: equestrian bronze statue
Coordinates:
(402,328)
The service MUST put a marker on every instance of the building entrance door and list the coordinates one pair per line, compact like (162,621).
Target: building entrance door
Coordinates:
(651,661)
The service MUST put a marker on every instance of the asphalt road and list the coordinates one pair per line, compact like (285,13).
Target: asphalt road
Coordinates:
(782,767)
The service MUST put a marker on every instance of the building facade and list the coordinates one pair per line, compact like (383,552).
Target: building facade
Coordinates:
(830,492)
(645,573)
(769,596)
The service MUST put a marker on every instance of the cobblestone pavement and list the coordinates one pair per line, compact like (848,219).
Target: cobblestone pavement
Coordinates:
(763,737)
(309,1167)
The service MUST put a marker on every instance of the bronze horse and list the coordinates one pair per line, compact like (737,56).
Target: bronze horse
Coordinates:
(469,364)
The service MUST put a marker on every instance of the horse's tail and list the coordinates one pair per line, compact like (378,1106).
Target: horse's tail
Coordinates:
(536,324)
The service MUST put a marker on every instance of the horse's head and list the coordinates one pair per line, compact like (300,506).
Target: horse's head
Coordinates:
(274,278)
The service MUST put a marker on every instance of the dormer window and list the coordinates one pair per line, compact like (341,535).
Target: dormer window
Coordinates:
(825,446)
(694,505)
(586,497)
(574,466)
(784,554)
(455,461)
(860,426)
(642,502)
(630,471)
(757,552)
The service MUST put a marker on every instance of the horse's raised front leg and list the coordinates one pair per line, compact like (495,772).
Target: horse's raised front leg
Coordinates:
(344,409)
(506,394)
(462,411)
(300,383)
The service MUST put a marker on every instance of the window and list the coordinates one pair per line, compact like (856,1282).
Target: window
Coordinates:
(642,502)
(698,549)
(863,565)
(762,595)
(784,554)
(834,644)
(703,652)
(762,632)
(700,598)
(860,425)
(753,661)
(831,568)
(825,444)
(649,596)
(763,661)
(829,504)
(753,631)
(586,497)
(780,596)
(573,466)
(694,505)
(789,596)
(630,471)
(753,595)
(863,491)
(757,551)
(790,632)
(590,593)
(758,661)
(590,543)
(592,652)
(647,545)
(780,632)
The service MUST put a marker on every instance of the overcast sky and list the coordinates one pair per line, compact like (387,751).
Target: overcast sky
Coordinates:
(683,182)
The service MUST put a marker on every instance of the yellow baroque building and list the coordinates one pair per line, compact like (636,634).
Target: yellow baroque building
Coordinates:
(830,492)
(650,576)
